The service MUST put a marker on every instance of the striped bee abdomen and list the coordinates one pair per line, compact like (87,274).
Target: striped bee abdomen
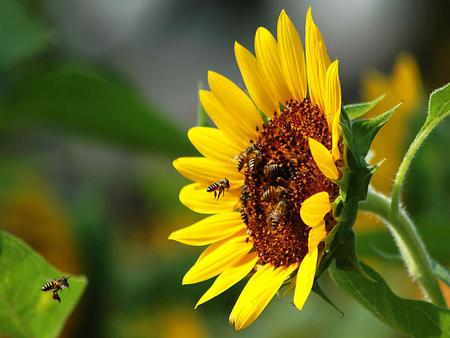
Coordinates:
(48,286)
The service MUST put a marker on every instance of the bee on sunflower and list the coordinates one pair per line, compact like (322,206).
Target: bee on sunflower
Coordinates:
(286,166)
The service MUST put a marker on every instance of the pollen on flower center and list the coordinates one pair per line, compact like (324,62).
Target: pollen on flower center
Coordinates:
(280,174)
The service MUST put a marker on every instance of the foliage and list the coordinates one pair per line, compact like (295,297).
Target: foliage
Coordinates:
(26,311)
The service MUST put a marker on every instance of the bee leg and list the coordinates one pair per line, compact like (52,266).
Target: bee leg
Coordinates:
(215,194)
(55,296)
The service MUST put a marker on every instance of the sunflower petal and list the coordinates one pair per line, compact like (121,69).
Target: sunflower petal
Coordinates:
(316,235)
(317,61)
(214,144)
(258,292)
(333,103)
(210,229)
(253,80)
(323,159)
(229,277)
(305,278)
(336,135)
(268,58)
(314,209)
(195,197)
(223,118)
(218,257)
(203,170)
(236,102)
(292,56)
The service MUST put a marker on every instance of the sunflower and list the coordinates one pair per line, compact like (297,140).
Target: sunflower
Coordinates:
(269,170)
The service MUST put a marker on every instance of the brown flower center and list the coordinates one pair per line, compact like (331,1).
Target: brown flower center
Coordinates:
(280,174)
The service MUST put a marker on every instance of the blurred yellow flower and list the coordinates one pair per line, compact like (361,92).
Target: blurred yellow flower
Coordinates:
(403,84)
(272,212)
(31,211)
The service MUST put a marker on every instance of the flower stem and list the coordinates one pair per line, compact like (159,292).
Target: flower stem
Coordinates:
(411,247)
(404,166)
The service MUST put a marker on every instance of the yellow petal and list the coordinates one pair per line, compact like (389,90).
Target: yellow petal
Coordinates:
(218,257)
(323,159)
(195,197)
(210,229)
(229,277)
(268,58)
(223,118)
(317,61)
(214,144)
(236,102)
(336,135)
(333,103)
(332,92)
(305,278)
(206,171)
(314,209)
(254,81)
(292,57)
(258,292)
(316,235)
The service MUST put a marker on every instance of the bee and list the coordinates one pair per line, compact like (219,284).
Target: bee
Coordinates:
(55,286)
(251,152)
(271,169)
(244,215)
(277,213)
(273,194)
(254,160)
(219,187)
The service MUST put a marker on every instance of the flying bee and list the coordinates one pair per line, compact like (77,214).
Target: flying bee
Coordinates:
(55,286)
(271,169)
(273,194)
(219,187)
(277,213)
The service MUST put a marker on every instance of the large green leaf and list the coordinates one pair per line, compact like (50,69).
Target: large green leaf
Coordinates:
(21,36)
(90,103)
(26,311)
(417,318)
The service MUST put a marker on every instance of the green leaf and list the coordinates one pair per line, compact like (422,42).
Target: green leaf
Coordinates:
(365,130)
(89,103)
(356,110)
(441,272)
(317,289)
(26,311)
(439,105)
(417,318)
(21,36)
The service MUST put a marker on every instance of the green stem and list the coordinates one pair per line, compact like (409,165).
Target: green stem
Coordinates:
(404,166)
(411,247)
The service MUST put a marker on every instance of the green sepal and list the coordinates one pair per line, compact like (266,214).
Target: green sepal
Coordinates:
(358,135)
(365,130)
(317,289)
(357,110)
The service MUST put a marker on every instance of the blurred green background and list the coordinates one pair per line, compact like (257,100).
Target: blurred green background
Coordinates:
(95,100)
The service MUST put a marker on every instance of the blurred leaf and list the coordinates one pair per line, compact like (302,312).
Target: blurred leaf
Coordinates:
(359,109)
(25,310)
(417,318)
(89,103)
(439,106)
(21,36)
(441,272)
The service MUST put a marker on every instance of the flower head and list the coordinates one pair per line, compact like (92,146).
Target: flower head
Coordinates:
(269,171)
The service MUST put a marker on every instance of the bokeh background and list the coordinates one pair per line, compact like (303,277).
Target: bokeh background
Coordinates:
(95,100)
